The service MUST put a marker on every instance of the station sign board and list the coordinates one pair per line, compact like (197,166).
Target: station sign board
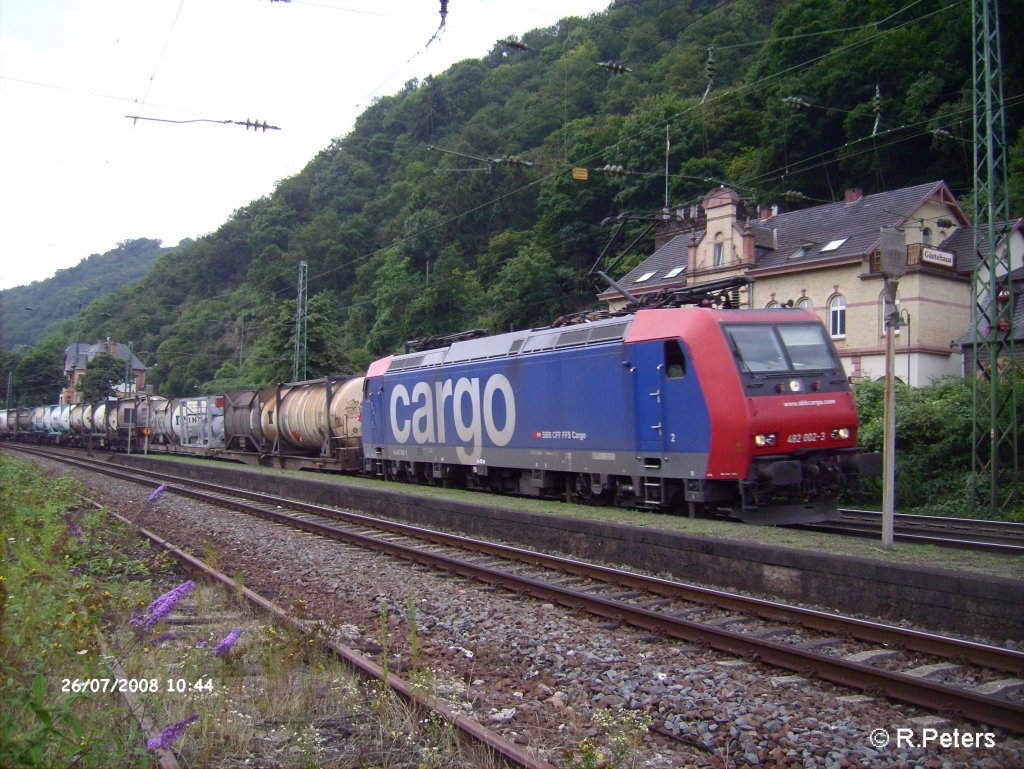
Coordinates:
(941,258)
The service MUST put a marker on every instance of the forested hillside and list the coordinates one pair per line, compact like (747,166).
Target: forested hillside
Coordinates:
(452,204)
(28,313)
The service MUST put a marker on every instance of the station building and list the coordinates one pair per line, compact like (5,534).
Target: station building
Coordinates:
(77,356)
(826,258)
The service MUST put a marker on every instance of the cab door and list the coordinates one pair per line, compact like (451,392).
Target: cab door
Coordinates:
(374,400)
(669,413)
(649,397)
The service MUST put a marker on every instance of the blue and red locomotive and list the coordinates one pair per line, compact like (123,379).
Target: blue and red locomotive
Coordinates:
(743,410)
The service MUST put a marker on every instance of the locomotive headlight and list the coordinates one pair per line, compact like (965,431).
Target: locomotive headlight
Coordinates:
(795,385)
(764,440)
(841,433)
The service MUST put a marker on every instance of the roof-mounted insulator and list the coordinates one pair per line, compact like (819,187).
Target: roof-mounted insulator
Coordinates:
(614,66)
(876,106)
(709,70)
(510,160)
(255,125)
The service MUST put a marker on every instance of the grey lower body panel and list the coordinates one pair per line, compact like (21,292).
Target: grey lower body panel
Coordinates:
(681,465)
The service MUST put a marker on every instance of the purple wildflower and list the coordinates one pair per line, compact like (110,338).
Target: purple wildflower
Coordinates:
(225,646)
(201,643)
(73,527)
(158,492)
(77,570)
(167,737)
(163,605)
(161,638)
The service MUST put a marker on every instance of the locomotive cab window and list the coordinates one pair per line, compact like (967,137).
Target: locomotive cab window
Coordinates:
(808,348)
(675,361)
(757,348)
(785,347)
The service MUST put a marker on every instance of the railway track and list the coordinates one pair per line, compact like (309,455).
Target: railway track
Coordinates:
(1001,537)
(953,677)
(997,537)
(513,755)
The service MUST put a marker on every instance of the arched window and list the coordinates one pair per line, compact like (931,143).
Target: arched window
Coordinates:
(772,305)
(718,255)
(881,313)
(804,303)
(926,236)
(837,316)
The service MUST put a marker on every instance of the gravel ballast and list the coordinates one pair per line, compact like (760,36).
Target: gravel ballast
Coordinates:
(559,681)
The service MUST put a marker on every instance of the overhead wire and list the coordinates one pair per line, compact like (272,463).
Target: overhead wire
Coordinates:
(160,58)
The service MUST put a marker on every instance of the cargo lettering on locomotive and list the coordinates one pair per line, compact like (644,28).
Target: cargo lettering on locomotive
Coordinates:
(427,424)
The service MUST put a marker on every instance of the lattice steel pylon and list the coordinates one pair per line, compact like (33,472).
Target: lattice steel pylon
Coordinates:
(301,322)
(995,406)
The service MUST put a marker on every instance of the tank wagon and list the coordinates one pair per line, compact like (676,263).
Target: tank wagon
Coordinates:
(698,409)
(300,425)
(738,409)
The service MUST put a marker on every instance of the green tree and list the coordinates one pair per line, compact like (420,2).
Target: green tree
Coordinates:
(39,373)
(1016,159)
(8,363)
(450,300)
(934,444)
(101,375)
(272,358)
(530,290)
(395,288)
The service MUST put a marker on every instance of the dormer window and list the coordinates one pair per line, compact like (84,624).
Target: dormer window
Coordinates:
(804,250)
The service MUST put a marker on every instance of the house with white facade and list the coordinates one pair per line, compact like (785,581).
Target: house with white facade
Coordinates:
(826,258)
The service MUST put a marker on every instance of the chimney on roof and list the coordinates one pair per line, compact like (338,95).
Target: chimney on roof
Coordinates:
(854,194)
(764,213)
(748,245)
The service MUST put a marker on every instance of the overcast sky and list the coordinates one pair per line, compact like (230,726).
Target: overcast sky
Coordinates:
(77,176)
